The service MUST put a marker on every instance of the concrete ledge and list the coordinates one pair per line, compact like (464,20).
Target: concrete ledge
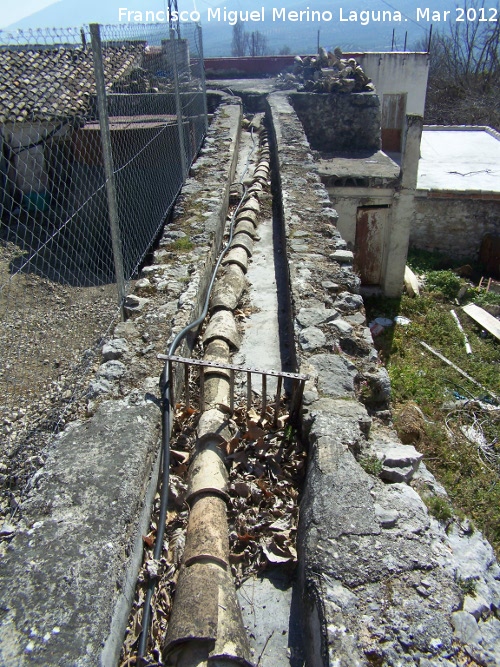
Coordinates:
(62,576)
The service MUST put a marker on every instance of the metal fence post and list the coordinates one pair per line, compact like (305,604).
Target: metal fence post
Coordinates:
(178,106)
(108,162)
(202,73)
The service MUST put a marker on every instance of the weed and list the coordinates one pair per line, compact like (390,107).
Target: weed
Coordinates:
(183,244)
(446,283)
(483,298)
(439,507)
(467,585)
(371,464)
(423,260)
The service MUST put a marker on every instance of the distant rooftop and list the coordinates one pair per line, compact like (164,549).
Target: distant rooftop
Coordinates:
(50,83)
(459,158)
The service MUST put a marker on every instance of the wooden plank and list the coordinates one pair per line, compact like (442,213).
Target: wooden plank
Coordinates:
(411,282)
(484,319)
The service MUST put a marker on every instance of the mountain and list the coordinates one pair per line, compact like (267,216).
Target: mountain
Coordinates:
(365,25)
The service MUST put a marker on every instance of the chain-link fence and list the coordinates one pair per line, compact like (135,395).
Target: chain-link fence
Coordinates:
(98,127)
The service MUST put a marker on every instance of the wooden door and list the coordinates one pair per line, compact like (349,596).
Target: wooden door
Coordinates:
(369,244)
(393,119)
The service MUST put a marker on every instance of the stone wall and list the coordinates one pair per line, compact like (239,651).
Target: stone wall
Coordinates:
(339,122)
(454,226)
(380,576)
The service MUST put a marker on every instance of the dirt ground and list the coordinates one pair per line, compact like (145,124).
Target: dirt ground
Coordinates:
(50,333)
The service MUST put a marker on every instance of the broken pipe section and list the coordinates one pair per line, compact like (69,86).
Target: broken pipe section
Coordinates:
(206,627)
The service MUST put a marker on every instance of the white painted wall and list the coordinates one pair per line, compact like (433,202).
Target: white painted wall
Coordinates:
(398,72)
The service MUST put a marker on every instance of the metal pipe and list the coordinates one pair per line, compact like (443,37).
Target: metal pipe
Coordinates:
(109,169)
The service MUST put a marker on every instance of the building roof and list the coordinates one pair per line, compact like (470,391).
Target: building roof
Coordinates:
(459,159)
(368,168)
(45,84)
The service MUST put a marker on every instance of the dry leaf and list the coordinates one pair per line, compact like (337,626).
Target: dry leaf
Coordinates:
(276,555)
(254,431)
(152,568)
(232,445)
(148,539)
(182,457)
(176,546)
(241,489)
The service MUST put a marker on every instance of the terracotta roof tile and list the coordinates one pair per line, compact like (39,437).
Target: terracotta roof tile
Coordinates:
(43,84)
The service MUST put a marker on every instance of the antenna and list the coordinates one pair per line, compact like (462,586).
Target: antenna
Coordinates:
(173,9)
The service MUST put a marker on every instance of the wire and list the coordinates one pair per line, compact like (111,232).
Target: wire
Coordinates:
(166,425)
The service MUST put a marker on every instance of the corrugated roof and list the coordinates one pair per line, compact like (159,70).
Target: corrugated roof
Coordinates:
(45,84)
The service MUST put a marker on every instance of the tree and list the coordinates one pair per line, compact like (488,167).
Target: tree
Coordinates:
(240,43)
(285,50)
(258,44)
(464,73)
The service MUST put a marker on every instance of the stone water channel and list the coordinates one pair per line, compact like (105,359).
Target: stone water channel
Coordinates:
(250,284)
(379,580)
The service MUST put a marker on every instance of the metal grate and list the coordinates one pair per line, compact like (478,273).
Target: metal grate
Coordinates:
(297,382)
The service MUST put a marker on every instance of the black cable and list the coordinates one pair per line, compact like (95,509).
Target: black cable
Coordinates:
(165,406)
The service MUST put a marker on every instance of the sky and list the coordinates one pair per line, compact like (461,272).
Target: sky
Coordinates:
(12,11)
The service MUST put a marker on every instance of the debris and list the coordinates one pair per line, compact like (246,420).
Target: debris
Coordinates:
(459,370)
(384,321)
(402,321)
(484,319)
(411,282)
(375,329)
(468,348)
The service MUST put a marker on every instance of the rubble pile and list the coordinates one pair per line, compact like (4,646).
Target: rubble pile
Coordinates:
(326,73)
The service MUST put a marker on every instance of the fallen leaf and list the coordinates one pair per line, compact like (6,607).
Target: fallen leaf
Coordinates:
(263,487)
(149,540)
(182,457)
(254,431)
(246,538)
(152,568)
(232,445)
(276,555)
(241,489)
(280,524)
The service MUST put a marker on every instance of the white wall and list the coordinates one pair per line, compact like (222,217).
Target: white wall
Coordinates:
(398,72)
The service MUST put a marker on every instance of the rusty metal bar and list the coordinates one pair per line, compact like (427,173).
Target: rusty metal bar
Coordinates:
(298,382)
(202,389)
(231,390)
(245,369)
(278,399)
(186,384)
(249,390)
(264,395)
(298,390)
(171,396)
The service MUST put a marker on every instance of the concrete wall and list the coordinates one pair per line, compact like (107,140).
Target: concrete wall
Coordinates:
(398,73)
(249,66)
(339,121)
(454,225)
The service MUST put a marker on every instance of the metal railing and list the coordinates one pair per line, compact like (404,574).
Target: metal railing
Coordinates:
(98,128)
(297,383)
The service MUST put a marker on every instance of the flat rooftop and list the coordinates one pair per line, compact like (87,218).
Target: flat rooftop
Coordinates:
(459,158)
(374,166)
